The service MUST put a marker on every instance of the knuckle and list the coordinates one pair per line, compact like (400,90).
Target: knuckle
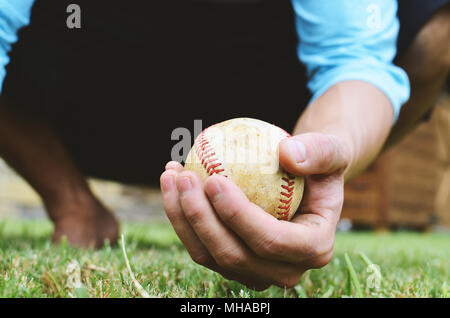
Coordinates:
(202,259)
(342,151)
(333,152)
(311,251)
(325,146)
(320,245)
(327,153)
(229,259)
(322,152)
(269,247)
(322,261)
(170,212)
(192,213)
(228,215)
(317,251)
(173,213)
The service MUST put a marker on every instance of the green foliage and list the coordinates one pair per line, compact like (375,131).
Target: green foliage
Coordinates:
(364,265)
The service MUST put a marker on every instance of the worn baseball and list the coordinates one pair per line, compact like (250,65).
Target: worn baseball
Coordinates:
(246,151)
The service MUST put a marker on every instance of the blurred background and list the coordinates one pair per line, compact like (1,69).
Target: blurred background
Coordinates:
(408,187)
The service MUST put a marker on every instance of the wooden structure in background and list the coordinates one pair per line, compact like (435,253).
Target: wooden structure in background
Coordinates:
(442,200)
(408,186)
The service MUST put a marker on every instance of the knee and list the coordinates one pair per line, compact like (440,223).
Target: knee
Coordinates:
(429,54)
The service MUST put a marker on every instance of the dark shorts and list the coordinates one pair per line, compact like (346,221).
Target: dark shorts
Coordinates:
(115,90)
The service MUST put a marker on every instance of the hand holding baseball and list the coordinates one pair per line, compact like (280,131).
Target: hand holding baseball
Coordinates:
(224,231)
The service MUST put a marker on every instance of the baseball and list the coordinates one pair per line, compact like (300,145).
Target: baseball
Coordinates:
(246,151)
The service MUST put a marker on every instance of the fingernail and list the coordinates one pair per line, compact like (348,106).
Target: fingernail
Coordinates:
(213,189)
(184,184)
(297,150)
(167,183)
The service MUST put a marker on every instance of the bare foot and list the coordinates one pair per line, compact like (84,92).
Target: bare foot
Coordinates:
(87,224)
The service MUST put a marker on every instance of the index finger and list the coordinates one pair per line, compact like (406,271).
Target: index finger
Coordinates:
(264,234)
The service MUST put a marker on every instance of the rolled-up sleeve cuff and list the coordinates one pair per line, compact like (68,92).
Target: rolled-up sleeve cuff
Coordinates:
(394,83)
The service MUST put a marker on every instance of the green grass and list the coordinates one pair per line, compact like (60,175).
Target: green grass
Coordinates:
(411,265)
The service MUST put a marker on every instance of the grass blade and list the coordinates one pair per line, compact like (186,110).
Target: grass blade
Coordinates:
(141,291)
(365,259)
(300,291)
(328,293)
(353,277)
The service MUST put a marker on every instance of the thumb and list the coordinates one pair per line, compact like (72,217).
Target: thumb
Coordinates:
(313,153)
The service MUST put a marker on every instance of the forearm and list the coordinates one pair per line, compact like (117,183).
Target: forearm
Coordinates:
(358,113)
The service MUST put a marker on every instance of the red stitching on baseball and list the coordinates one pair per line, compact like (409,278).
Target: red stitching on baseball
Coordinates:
(207,156)
(286,197)
(208,159)
(285,203)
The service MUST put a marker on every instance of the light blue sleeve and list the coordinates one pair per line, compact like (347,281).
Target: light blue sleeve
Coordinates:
(351,40)
(14,14)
